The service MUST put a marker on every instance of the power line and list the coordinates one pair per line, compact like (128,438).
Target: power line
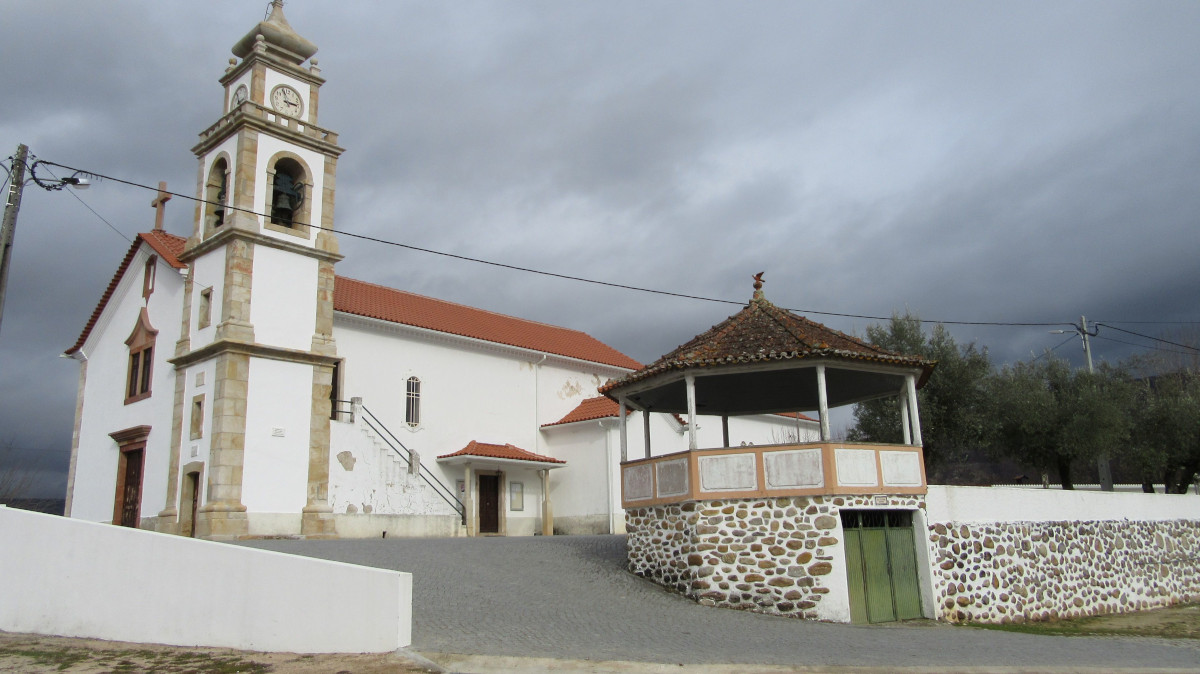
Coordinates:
(1047,352)
(1157,339)
(541,272)
(1144,346)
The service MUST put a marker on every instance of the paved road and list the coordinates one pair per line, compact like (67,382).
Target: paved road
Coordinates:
(570,597)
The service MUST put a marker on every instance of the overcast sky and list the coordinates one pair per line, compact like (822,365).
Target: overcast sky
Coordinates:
(1015,161)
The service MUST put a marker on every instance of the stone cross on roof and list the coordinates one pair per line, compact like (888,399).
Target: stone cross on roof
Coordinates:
(160,204)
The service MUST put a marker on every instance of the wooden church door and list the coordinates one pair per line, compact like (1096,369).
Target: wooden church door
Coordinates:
(489,504)
(130,490)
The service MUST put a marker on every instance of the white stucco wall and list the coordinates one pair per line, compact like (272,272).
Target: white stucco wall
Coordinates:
(208,272)
(79,579)
(1002,504)
(275,469)
(284,310)
(105,411)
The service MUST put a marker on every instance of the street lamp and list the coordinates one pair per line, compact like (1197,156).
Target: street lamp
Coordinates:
(1103,463)
(16,172)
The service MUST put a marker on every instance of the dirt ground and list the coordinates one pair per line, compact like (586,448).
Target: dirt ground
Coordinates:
(37,654)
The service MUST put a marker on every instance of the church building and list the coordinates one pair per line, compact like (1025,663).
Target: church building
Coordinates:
(232,384)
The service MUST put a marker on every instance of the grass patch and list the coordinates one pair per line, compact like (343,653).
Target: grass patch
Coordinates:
(58,658)
(1177,622)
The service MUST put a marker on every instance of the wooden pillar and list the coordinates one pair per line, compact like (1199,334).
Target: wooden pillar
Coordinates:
(547,508)
(725,430)
(910,383)
(621,410)
(823,403)
(691,409)
(469,498)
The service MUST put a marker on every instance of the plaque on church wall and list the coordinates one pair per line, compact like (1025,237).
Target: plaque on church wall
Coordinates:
(901,469)
(672,478)
(516,496)
(856,467)
(728,472)
(638,482)
(794,469)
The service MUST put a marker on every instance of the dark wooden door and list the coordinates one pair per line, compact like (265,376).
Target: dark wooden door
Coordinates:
(194,480)
(489,504)
(131,493)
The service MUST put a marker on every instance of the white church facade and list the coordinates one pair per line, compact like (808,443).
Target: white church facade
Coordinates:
(232,384)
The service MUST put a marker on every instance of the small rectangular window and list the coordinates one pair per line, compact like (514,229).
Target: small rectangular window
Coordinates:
(197,426)
(205,308)
(148,277)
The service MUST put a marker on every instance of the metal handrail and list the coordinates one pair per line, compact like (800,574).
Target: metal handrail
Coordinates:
(384,434)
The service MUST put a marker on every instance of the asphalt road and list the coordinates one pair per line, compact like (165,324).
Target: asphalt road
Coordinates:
(570,597)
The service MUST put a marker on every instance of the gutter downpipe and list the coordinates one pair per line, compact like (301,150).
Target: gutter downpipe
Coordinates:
(537,429)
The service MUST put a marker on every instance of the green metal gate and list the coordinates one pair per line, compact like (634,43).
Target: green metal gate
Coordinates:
(881,565)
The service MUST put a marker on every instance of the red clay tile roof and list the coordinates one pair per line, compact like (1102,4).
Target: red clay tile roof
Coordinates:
(589,410)
(484,449)
(388,304)
(168,246)
(763,332)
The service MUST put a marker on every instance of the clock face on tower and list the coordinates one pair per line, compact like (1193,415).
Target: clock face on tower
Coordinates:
(286,100)
(239,96)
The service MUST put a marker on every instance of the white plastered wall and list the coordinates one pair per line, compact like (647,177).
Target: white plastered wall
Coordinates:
(198,381)
(104,409)
(208,271)
(1011,504)
(284,309)
(275,463)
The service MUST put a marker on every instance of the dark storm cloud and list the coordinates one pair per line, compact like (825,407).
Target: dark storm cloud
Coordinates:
(1007,162)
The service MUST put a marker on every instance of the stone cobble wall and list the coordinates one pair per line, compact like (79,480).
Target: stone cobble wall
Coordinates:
(1017,571)
(780,556)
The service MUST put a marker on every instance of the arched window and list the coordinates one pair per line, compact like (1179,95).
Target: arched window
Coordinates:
(412,402)
(215,193)
(141,359)
(287,192)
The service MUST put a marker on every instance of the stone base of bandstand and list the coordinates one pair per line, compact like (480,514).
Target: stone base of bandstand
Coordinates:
(781,556)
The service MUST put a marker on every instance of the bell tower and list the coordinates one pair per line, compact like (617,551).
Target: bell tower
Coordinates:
(256,356)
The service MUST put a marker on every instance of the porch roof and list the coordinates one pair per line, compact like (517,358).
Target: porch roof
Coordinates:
(505,453)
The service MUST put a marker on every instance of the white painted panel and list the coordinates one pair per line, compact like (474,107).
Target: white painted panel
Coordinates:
(275,466)
(639,482)
(284,292)
(1012,504)
(856,467)
(102,576)
(900,469)
(794,469)
(728,472)
(672,477)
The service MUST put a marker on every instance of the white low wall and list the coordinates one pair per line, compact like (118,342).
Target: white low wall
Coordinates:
(1017,504)
(1001,555)
(73,578)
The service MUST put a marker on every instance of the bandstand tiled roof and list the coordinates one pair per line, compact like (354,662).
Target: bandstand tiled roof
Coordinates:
(506,451)
(764,332)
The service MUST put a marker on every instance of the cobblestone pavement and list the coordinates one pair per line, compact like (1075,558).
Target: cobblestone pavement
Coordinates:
(571,597)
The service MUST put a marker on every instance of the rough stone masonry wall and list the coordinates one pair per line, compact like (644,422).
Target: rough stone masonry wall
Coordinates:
(780,556)
(1017,571)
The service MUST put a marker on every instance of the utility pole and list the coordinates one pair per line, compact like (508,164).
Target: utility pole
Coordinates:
(8,229)
(1103,462)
